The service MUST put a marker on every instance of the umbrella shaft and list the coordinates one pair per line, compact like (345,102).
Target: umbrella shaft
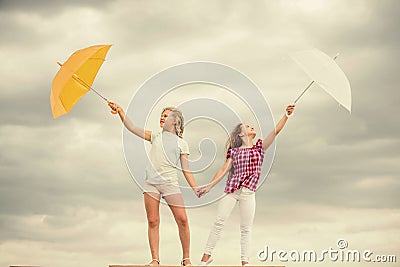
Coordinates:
(302,93)
(76,77)
(311,83)
(105,99)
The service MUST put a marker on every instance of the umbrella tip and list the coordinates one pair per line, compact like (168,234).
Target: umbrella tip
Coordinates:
(335,57)
(59,64)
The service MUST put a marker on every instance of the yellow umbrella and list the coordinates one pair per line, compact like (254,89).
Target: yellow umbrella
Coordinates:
(75,78)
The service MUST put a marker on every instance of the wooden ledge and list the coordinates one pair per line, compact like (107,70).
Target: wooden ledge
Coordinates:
(196,265)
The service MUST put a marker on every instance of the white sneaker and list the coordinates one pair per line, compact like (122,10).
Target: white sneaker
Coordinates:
(205,263)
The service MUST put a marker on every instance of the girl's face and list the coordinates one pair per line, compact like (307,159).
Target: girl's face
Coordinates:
(164,117)
(169,122)
(247,130)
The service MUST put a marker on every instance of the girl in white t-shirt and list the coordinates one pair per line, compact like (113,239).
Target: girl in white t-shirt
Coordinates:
(168,149)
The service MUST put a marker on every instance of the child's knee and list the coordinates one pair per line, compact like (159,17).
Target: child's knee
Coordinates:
(182,221)
(153,222)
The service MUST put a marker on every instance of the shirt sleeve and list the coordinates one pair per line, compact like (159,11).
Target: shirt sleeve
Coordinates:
(153,136)
(183,146)
(229,153)
(259,145)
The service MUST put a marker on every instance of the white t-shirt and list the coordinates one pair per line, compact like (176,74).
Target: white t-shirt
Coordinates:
(165,152)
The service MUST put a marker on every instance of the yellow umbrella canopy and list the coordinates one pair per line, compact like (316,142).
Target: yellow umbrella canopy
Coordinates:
(75,78)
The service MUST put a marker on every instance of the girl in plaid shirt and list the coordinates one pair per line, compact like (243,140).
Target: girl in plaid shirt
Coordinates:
(243,162)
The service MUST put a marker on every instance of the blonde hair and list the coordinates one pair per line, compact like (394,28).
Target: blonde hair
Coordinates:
(167,108)
(179,126)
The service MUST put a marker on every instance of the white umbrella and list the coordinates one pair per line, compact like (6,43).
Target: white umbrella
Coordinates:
(324,71)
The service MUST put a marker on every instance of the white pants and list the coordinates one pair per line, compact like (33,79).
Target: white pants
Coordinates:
(247,206)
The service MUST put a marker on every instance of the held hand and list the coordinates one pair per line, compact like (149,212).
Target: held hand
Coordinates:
(197,191)
(114,107)
(205,189)
(290,110)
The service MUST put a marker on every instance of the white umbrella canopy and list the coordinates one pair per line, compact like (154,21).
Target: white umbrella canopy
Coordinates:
(324,71)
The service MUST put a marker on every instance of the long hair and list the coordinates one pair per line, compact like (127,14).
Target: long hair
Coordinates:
(180,124)
(234,138)
(234,141)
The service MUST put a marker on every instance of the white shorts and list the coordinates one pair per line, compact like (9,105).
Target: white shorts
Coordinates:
(162,189)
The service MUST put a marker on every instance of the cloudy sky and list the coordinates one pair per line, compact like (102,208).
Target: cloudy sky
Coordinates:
(67,196)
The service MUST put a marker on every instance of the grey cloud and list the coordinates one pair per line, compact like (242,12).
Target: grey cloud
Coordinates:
(55,171)
(373,29)
(49,7)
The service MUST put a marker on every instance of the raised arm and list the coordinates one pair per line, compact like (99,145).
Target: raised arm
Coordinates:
(142,133)
(279,126)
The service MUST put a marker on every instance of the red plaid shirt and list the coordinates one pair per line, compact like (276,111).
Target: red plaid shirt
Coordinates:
(246,163)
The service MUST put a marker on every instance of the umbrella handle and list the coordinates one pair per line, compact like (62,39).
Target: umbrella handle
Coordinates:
(287,115)
(113,111)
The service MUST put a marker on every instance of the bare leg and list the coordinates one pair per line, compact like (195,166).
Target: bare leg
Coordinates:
(176,204)
(152,205)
